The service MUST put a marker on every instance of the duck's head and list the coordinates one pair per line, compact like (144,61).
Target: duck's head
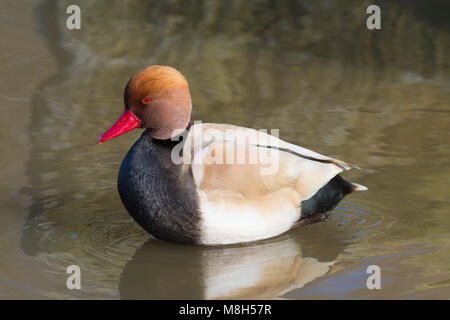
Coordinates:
(157,99)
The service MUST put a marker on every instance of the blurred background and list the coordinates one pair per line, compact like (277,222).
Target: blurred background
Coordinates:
(376,98)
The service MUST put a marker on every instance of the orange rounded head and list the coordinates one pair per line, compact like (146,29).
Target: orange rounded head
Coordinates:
(157,99)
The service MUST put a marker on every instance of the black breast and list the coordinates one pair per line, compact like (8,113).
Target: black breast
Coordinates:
(160,195)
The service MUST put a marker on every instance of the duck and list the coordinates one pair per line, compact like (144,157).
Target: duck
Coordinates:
(215,184)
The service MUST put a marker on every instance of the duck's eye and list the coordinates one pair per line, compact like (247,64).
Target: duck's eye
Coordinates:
(146,100)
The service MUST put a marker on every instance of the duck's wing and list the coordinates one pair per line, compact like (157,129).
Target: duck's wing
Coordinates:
(250,184)
(205,133)
(208,142)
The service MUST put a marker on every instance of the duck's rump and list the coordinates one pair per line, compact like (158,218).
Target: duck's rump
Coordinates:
(319,206)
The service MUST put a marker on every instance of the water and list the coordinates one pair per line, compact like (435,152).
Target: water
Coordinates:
(378,99)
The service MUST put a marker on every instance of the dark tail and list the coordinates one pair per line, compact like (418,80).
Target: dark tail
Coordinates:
(319,206)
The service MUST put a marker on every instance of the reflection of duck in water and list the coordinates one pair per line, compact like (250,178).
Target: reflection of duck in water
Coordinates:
(161,270)
(203,200)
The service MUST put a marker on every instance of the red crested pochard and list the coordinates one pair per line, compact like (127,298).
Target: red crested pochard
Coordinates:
(211,183)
